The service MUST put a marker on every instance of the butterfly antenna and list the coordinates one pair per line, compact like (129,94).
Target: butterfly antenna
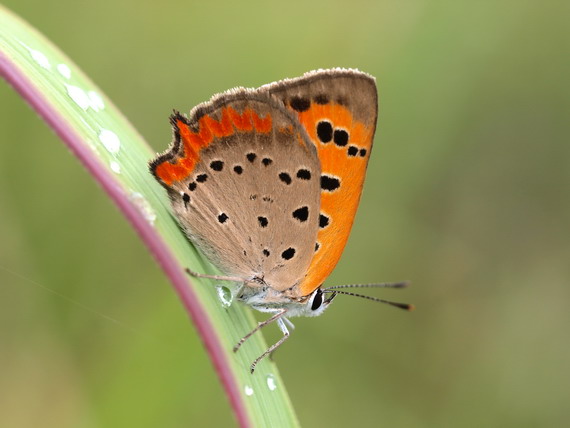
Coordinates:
(405,306)
(401,284)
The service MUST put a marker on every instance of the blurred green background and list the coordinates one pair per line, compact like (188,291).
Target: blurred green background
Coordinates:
(467,195)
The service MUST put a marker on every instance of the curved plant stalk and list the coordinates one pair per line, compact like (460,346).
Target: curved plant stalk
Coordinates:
(116,155)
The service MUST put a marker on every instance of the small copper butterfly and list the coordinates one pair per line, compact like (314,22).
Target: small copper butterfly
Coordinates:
(266,182)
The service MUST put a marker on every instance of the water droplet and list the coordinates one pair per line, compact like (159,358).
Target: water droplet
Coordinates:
(85,99)
(64,70)
(110,140)
(115,167)
(144,207)
(271,382)
(95,101)
(248,390)
(225,296)
(79,96)
(38,57)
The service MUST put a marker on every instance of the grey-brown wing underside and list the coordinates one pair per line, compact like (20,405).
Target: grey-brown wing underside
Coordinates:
(251,201)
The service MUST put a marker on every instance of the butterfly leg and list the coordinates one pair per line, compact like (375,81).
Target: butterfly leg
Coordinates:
(216,277)
(274,347)
(284,329)
(260,325)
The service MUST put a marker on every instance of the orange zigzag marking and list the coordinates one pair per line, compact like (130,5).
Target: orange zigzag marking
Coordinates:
(209,128)
(262,125)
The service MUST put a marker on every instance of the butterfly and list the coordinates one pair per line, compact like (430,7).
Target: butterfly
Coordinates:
(267,181)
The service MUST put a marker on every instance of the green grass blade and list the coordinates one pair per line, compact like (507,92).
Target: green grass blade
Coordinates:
(116,155)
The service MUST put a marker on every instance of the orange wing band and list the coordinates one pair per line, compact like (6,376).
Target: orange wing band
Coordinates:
(209,128)
(340,205)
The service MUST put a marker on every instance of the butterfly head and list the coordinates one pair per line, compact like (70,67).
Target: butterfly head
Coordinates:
(318,302)
(264,298)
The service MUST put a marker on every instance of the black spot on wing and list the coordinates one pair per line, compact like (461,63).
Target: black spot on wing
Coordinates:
(288,254)
(300,104)
(285,178)
(321,99)
(340,137)
(217,165)
(186,199)
(329,183)
(304,174)
(301,214)
(323,221)
(324,131)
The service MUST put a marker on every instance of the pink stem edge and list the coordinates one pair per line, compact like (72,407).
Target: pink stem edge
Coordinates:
(20,82)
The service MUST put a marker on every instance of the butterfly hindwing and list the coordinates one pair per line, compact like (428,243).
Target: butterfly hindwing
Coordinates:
(338,109)
(243,177)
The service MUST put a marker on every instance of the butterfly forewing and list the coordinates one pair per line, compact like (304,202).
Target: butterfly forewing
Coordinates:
(338,109)
(244,180)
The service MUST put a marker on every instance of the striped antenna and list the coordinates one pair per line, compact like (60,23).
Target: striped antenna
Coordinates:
(406,306)
(400,284)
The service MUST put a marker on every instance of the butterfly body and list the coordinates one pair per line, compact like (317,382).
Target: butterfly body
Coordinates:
(266,182)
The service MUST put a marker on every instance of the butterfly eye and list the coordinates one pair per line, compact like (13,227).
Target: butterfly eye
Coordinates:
(317,300)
